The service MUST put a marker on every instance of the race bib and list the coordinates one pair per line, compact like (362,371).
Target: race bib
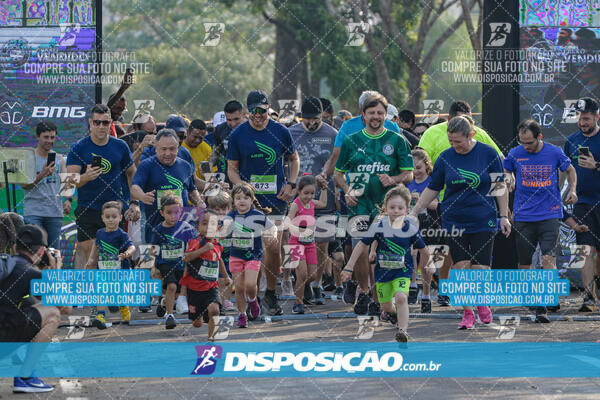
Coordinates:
(391,261)
(226,243)
(242,243)
(161,193)
(208,271)
(171,254)
(109,264)
(264,184)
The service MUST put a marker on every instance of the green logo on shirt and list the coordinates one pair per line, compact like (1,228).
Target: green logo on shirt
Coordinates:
(174,181)
(269,152)
(107,248)
(471,178)
(395,247)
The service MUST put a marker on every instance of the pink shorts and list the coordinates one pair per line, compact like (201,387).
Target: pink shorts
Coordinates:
(238,265)
(309,254)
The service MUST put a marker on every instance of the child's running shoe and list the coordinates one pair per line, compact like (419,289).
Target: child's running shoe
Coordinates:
(485,314)
(125,314)
(170,322)
(242,321)
(99,322)
(228,305)
(392,318)
(426,306)
(298,308)
(402,336)
(254,308)
(30,385)
(468,320)
(161,310)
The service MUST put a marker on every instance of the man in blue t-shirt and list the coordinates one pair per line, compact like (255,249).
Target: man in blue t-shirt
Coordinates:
(583,148)
(257,151)
(160,174)
(99,184)
(537,208)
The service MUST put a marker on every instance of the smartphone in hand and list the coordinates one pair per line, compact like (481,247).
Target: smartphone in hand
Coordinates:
(51,158)
(584,151)
(96,161)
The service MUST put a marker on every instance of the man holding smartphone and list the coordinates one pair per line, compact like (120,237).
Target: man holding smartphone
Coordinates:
(103,163)
(583,148)
(43,204)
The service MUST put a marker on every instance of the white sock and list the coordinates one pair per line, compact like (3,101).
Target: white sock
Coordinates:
(414,284)
(315,284)
(425,297)
(251,300)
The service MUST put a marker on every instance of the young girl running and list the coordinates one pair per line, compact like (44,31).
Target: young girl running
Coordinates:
(302,215)
(247,225)
(429,222)
(390,239)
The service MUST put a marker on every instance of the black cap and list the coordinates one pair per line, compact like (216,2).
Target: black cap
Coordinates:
(31,235)
(311,107)
(586,104)
(257,98)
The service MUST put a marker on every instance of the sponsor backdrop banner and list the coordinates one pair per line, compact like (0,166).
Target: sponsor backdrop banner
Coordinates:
(307,359)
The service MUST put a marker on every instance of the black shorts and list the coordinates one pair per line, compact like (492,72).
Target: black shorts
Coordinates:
(198,302)
(588,214)
(474,247)
(170,274)
(336,246)
(529,234)
(22,326)
(88,222)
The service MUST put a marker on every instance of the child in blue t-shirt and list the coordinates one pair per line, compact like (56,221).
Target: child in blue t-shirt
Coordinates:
(172,236)
(391,239)
(112,249)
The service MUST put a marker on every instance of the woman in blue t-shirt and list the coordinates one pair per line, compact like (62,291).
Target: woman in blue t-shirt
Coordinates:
(468,170)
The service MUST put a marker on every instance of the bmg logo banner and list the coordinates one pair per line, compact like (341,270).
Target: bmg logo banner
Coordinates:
(207,359)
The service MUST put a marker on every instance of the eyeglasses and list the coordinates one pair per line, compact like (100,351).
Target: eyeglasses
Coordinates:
(103,122)
(258,110)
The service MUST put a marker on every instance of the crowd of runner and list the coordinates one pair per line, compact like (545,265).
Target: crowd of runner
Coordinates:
(359,206)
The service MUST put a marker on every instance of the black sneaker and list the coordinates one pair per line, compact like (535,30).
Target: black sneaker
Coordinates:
(161,310)
(425,306)
(328,283)
(374,309)
(144,309)
(339,291)
(308,293)
(318,295)
(443,301)
(362,304)
(553,308)
(541,315)
(401,336)
(350,291)
(413,292)
(170,322)
(589,304)
(271,303)
(389,317)
(113,309)
(298,308)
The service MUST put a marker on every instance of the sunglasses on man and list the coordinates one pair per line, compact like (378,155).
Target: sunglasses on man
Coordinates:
(103,122)
(258,110)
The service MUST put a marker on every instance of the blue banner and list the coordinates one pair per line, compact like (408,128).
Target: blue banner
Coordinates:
(504,287)
(306,359)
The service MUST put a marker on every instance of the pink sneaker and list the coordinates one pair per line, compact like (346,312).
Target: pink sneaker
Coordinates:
(254,309)
(485,314)
(468,320)
(228,305)
(242,321)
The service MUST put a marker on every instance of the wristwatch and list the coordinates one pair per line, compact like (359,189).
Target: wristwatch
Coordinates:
(292,184)
(136,202)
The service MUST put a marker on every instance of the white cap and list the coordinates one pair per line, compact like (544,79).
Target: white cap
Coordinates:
(392,112)
(219,118)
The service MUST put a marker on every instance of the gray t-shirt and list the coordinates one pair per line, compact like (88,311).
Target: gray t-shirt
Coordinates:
(44,200)
(314,149)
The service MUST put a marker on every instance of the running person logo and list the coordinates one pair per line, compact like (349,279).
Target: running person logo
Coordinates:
(288,108)
(68,34)
(143,106)
(366,326)
(358,182)
(432,110)
(569,112)
(292,254)
(105,164)
(212,33)
(471,178)
(267,152)
(207,359)
(356,33)
(499,32)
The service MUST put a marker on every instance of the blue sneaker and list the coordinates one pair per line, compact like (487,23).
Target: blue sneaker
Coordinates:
(30,385)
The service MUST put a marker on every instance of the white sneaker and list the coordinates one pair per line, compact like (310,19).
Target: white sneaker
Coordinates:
(181,305)
(286,288)
(228,305)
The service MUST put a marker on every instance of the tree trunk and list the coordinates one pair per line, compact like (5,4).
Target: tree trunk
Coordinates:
(304,76)
(376,53)
(286,74)
(415,91)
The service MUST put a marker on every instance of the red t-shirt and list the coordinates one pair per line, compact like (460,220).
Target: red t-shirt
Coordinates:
(190,279)
(113,129)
